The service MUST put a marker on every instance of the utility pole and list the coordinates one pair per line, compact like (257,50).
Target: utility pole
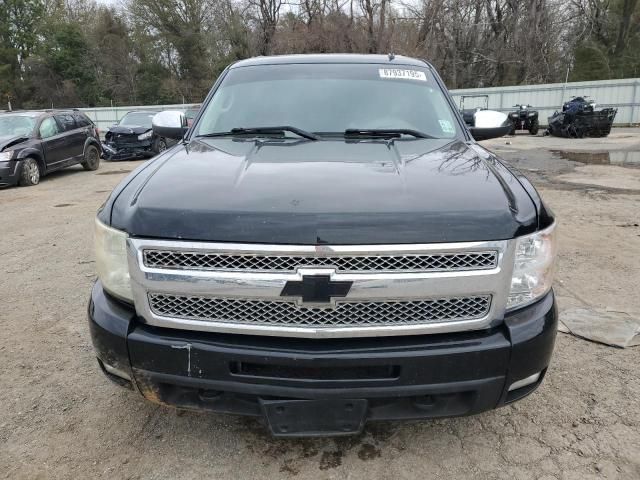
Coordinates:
(564,87)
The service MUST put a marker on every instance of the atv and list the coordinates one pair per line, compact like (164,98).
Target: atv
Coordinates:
(579,118)
(524,119)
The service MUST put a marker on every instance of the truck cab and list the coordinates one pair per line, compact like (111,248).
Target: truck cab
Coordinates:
(327,245)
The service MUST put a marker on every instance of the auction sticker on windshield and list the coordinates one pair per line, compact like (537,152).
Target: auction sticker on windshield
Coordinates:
(446,126)
(400,73)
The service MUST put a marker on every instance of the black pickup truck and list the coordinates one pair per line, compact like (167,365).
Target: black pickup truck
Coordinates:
(327,245)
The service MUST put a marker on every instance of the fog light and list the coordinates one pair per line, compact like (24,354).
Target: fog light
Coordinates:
(525,381)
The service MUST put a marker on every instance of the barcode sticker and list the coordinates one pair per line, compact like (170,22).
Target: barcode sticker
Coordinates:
(400,73)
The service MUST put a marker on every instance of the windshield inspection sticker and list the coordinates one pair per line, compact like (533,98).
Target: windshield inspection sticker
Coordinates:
(446,126)
(398,73)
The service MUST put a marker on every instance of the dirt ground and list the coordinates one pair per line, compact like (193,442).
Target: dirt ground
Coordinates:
(60,418)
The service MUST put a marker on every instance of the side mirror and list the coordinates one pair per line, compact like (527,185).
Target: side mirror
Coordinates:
(169,124)
(489,124)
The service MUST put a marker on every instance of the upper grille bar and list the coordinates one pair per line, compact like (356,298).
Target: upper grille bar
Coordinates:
(212,261)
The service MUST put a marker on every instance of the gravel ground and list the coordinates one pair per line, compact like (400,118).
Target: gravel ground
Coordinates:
(60,418)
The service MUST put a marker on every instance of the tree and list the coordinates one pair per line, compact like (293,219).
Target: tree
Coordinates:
(607,44)
(115,63)
(267,14)
(19,28)
(77,52)
(180,26)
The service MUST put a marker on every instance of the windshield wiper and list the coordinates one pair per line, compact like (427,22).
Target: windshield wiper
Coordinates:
(384,132)
(264,130)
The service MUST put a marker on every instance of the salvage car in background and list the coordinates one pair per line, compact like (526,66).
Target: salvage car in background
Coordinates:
(132,137)
(580,118)
(35,143)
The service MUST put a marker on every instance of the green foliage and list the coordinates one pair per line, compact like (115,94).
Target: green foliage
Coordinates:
(20,22)
(153,88)
(68,55)
(612,47)
(591,63)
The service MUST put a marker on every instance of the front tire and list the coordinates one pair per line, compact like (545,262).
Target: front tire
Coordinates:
(91,160)
(30,173)
(160,145)
(534,127)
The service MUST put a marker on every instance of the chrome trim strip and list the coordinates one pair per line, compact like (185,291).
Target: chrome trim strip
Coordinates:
(116,371)
(524,382)
(366,286)
(319,250)
(313,332)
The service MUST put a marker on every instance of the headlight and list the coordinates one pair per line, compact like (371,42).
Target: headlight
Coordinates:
(146,135)
(6,156)
(533,267)
(111,261)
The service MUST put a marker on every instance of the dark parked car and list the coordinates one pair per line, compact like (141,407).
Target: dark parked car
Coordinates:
(35,143)
(326,246)
(132,137)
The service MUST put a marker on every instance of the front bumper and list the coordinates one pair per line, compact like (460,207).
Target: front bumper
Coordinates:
(114,152)
(409,377)
(10,172)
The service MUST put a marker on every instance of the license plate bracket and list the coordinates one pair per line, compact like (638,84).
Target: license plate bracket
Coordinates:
(327,417)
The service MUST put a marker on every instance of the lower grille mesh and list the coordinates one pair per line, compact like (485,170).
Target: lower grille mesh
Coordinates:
(345,314)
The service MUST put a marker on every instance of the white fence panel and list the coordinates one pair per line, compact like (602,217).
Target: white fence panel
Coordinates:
(621,94)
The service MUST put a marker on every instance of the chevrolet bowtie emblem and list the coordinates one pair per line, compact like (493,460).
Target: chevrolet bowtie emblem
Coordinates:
(316,289)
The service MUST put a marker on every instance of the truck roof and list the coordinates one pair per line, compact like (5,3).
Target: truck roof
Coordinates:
(347,58)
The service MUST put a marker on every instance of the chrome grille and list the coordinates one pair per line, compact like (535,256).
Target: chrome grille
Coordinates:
(194,260)
(236,288)
(345,314)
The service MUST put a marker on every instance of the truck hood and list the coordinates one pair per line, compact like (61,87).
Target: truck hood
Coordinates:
(324,192)
(10,140)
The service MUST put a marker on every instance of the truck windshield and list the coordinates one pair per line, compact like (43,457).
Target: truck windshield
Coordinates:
(137,119)
(16,125)
(329,99)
